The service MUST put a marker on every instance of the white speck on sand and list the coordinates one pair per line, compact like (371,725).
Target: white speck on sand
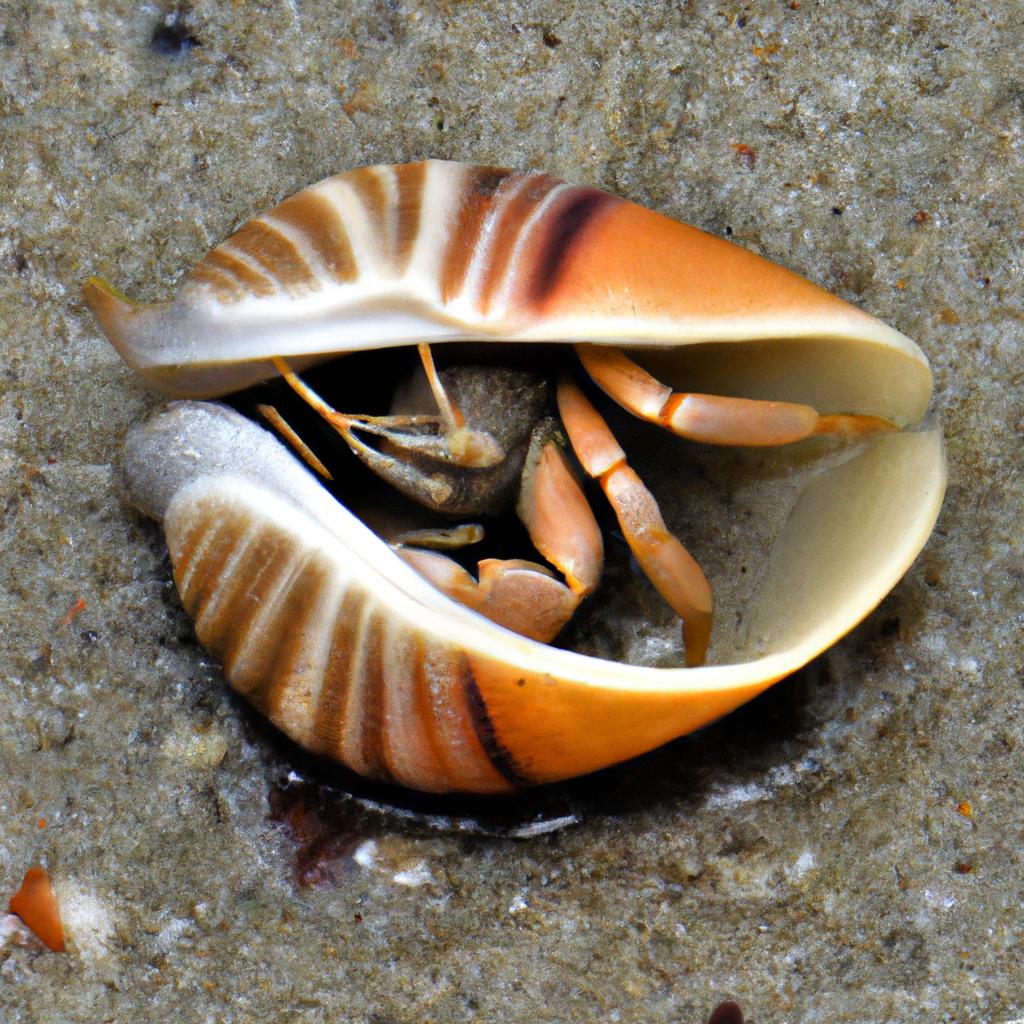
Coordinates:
(88,921)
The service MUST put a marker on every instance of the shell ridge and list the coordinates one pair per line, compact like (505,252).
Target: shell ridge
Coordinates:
(223,537)
(483,257)
(328,724)
(249,275)
(367,250)
(406,749)
(410,183)
(358,697)
(280,259)
(441,188)
(296,650)
(255,643)
(312,215)
(515,227)
(294,703)
(474,195)
(387,215)
(516,265)
(316,274)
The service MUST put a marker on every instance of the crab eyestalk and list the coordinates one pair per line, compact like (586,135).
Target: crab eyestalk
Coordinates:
(473,449)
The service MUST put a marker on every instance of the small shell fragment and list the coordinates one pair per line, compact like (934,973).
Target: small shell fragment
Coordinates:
(36,905)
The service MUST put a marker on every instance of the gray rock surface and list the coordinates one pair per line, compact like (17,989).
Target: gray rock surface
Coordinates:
(847,848)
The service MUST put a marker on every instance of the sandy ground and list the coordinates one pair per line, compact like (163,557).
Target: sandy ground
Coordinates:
(848,848)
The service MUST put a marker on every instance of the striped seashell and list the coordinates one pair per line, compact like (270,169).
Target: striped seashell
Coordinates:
(342,644)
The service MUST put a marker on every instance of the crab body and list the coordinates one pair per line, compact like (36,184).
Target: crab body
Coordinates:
(348,648)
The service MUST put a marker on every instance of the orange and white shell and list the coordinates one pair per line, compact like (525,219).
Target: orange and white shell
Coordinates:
(325,629)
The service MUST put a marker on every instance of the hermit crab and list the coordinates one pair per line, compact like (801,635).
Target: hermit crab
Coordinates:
(392,659)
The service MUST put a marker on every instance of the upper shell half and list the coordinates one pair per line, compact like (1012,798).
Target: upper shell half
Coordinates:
(436,251)
(334,637)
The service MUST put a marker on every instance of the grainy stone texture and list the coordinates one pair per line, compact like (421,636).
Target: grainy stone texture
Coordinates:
(847,848)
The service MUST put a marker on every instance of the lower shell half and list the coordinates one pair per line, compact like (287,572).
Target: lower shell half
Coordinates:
(357,658)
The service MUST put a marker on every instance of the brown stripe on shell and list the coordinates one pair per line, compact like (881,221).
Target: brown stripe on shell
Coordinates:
(210,546)
(410,180)
(244,604)
(427,733)
(329,718)
(564,227)
(251,280)
(255,637)
(443,676)
(225,286)
(376,199)
(370,745)
(277,254)
(425,707)
(190,544)
(370,188)
(412,743)
(498,754)
(296,616)
(400,734)
(317,219)
(514,215)
(478,190)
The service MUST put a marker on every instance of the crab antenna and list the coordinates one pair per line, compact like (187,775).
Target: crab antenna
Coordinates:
(285,429)
(474,449)
(449,410)
(308,395)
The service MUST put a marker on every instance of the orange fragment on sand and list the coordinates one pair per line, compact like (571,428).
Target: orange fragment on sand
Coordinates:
(745,154)
(77,607)
(36,905)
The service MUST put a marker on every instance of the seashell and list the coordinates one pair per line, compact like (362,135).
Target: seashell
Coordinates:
(344,646)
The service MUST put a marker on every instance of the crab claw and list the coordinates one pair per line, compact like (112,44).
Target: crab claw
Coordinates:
(519,595)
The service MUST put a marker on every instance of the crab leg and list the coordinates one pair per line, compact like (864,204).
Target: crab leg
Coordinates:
(713,419)
(438,538)
(450,412)
(669,566)
(474,449)
(457,443)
